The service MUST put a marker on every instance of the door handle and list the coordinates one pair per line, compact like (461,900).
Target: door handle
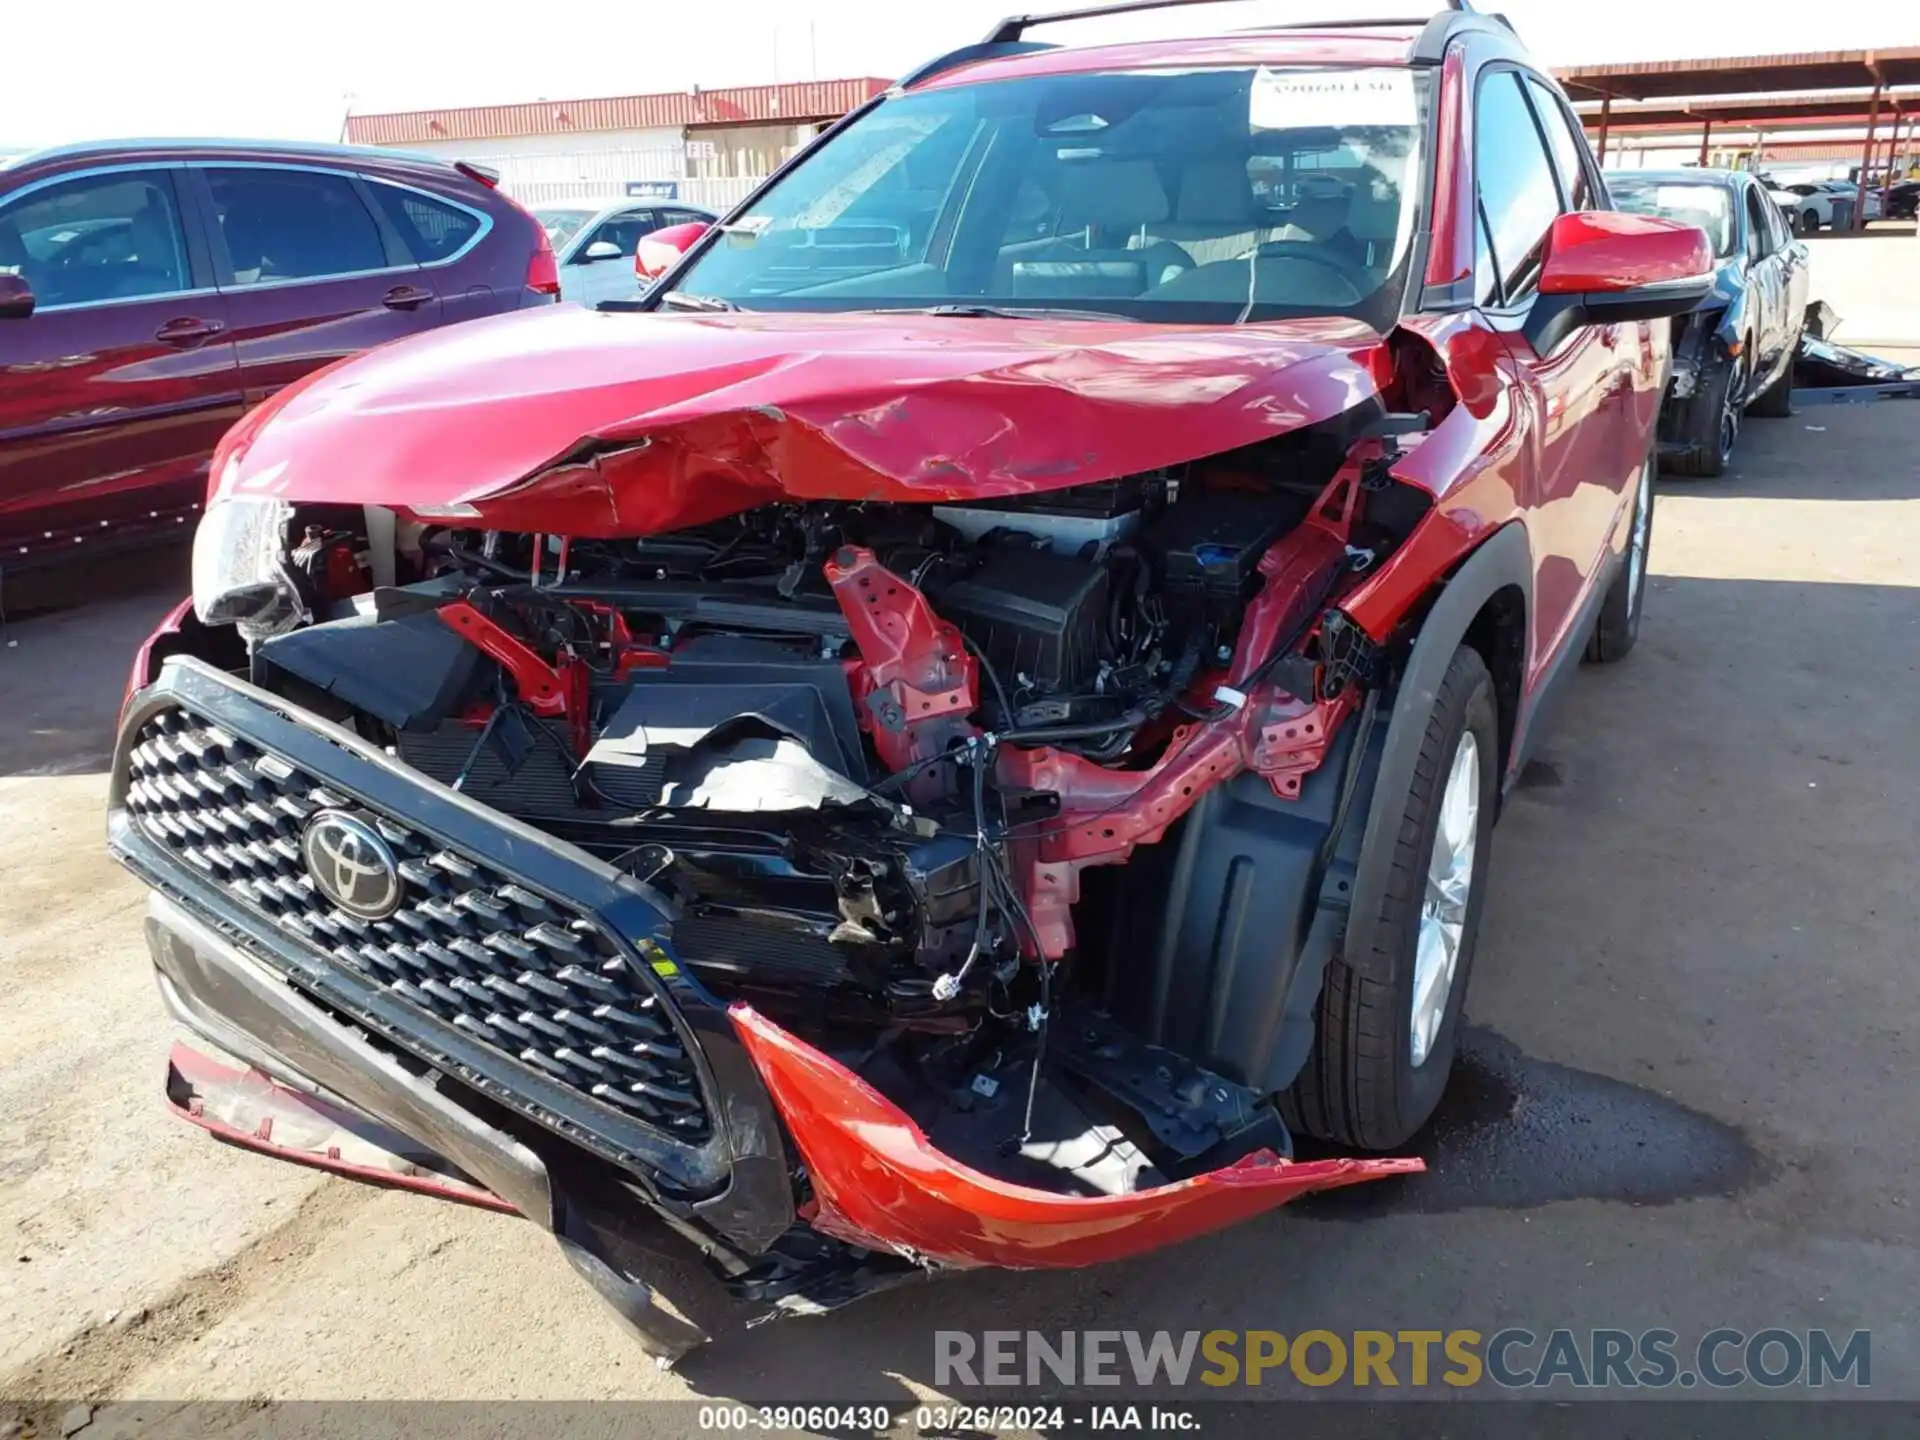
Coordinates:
(406,297)
(187,331)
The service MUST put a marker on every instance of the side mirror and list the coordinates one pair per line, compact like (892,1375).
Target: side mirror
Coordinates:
(1603,267)
(16,298)
(660,251)
(600,250)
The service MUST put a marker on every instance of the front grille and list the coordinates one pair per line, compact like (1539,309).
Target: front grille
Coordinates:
(468,945)
(763,952)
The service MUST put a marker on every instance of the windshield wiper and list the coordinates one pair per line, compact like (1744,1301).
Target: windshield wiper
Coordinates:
(1007,312)
(687,300)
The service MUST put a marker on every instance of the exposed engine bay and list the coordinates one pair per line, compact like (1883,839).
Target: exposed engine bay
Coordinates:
(870,749)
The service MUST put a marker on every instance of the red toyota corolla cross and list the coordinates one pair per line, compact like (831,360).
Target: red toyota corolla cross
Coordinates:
(957,731)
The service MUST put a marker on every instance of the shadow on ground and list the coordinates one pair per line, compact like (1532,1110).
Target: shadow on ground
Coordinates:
(64,661)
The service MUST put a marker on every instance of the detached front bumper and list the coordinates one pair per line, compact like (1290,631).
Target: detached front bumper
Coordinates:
(410,1062)
(219,991)
(1684,378)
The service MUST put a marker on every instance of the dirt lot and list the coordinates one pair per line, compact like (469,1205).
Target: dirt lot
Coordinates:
(1690,1100)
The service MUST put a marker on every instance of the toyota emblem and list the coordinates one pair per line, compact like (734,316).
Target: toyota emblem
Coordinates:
(351,865)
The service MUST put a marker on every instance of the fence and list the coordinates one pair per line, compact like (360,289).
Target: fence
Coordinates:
(601,174)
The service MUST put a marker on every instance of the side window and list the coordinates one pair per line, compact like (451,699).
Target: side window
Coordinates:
(1776,220)
(1760,237)
(622,232)
(97,238)
(1569,150)
(1514,181)
(682,217)
(293,225)
(431,229)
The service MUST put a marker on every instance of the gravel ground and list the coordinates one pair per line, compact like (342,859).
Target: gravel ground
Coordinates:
(1691,1101)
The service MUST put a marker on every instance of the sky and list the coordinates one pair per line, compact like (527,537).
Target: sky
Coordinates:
(107,68)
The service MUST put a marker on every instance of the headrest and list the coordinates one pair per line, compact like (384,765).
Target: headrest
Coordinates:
(1118,192)
(1320,209)
(1374,211)
(1215,191)
(150,229)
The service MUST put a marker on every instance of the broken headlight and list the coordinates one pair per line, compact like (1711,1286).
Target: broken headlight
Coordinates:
(240,567)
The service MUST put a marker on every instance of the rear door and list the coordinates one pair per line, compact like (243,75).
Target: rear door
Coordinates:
(114,391)
(1581,389)
(439,234)
(309,271)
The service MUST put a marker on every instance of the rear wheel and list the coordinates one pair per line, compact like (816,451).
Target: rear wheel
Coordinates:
(1387,1023)
(1619,623)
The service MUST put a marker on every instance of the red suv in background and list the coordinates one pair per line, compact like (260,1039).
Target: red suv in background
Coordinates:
(150,292)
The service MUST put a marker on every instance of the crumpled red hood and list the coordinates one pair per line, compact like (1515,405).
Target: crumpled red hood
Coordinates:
(582,423)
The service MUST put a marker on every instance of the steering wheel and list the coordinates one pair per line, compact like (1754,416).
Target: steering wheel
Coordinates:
(1358,279)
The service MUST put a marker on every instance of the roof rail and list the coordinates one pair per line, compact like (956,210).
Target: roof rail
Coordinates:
(1431,46)
(1015,26)
(1378,22)
(966,54)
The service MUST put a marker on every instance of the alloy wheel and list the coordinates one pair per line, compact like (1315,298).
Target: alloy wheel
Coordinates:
(1730,412)
(1642,534)
(1443,911)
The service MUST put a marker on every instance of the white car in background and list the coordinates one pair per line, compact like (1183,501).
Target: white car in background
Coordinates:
(1809,205)
(594,241)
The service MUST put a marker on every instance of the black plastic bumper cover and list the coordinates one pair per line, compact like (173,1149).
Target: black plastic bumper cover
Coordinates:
(272,999)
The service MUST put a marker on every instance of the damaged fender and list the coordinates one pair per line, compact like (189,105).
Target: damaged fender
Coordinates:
(878,1182)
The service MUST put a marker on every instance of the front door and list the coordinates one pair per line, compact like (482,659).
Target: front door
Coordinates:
(1582,393)
(116,388)
(1766,288)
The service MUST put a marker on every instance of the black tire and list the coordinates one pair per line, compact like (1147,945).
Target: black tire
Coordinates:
(1709,446)
(1619,623)
(1776,401)
(1360,1086)
(1809,221)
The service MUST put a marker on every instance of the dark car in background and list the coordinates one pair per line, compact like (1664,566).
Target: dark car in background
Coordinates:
(1733,353)
(150,292)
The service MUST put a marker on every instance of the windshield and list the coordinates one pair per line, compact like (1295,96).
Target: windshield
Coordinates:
(1179,196)
(562,225)
(1708,206)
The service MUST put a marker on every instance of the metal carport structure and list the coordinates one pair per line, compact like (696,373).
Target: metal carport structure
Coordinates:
(1750,88)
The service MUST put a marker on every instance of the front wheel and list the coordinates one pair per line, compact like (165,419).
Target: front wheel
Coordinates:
(1713,424)
(1619,623)
(1776,401)
(1387,1023)
(1809,221)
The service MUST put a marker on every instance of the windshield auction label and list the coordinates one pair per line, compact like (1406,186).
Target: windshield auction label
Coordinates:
(1307,99)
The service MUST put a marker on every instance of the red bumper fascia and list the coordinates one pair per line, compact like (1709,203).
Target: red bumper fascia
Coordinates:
(247,1108)
(878,1182)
